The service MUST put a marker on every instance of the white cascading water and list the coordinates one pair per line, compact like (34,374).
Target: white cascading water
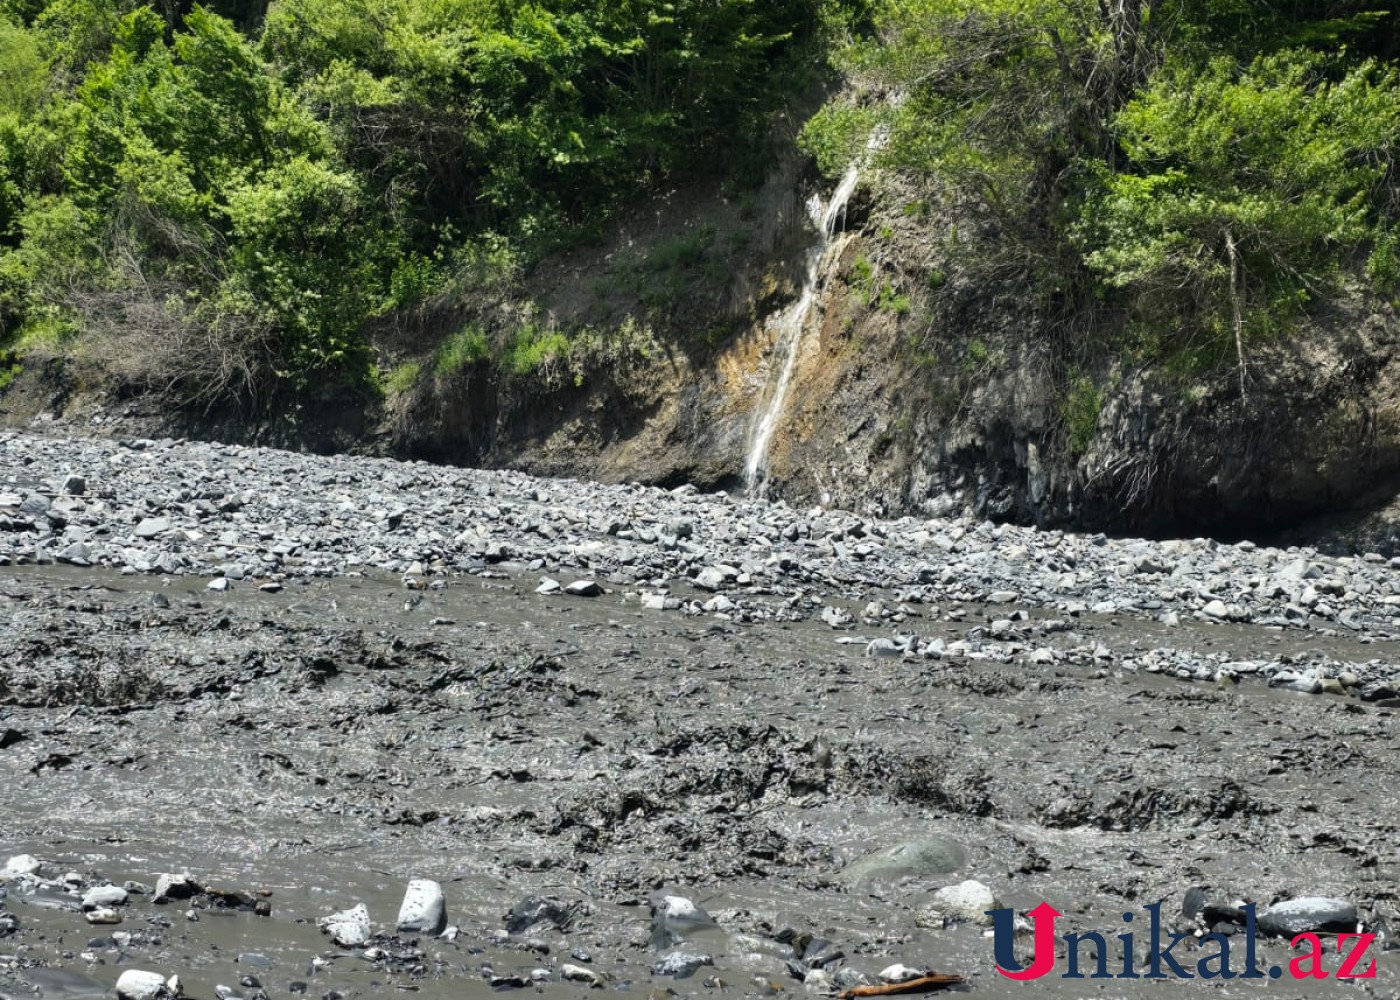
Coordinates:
(788,326)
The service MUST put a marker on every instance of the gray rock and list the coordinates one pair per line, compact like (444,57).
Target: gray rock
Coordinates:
(170,886)
(710,578)
(100,896)
(848,978)
(424,910)
(152,527)
(1310,913)
(923,856)
(835,617)
(819,981)
(583,588)
(681,965)
(536,910)
(674,916)
(76,553)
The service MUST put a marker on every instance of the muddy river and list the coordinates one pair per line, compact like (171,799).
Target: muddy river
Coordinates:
(315,748)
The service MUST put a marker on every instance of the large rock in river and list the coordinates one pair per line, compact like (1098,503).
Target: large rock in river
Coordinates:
(932,855)
(1310,913)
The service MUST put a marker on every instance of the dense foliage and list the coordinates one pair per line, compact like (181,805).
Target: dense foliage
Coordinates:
(223,198)
(231,192)
(1200,166)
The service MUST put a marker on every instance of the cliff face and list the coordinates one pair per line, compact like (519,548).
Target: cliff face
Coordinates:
(918,387)
(922,388)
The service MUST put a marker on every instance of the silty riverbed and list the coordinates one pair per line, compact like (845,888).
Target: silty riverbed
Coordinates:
(581,710)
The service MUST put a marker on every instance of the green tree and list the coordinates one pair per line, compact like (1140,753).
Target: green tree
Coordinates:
(1246,188)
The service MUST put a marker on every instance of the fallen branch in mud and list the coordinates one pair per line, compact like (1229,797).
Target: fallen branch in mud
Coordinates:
(924,984)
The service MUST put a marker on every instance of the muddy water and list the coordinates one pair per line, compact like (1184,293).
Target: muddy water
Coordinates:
(329,742)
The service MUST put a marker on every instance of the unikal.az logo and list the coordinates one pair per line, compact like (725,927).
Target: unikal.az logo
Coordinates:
(1215,961)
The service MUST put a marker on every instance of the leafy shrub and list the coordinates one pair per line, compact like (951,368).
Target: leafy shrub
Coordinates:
(402,378)
(465,347)
(535,350)
(1083,402)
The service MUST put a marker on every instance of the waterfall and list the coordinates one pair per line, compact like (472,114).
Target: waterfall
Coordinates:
(788,326)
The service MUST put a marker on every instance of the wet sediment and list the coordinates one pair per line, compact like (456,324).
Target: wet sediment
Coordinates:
(398,679)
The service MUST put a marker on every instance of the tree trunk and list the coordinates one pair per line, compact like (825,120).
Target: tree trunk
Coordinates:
(1237,312)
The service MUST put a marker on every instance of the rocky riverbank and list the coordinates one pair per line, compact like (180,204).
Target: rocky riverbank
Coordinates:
(305,681)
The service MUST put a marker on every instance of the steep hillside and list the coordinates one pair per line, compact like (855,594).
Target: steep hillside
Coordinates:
(1128,268)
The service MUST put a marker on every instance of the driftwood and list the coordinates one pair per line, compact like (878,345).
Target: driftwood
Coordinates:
(924,984)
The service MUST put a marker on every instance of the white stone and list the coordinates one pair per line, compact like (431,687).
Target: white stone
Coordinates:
(898,973)
(348,928)
(100,896)
(579,974)
(175,886)
(424,910)
(135,984)
(22,864)
(967,901)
